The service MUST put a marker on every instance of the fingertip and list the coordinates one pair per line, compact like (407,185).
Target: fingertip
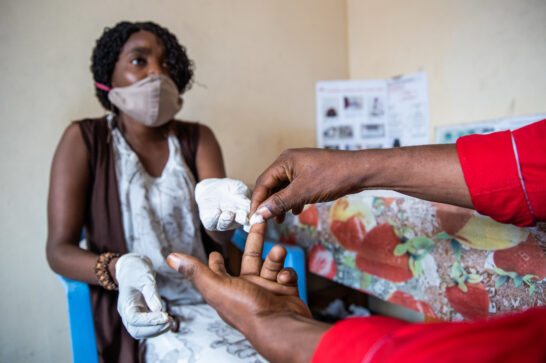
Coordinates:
(174,261)
(216,262)
(284,276)
(215,257)
(225,219)
(287,276)
(215,254)
(159,318)
(257,229)
(227,215)
(278,252)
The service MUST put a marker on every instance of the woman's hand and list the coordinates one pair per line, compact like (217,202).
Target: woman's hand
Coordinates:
(139,302)
(223,203)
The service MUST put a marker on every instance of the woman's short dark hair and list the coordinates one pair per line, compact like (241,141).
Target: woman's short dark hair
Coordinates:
(108,46)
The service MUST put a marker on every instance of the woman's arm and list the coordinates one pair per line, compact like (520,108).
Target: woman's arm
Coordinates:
(210,164)
(68,191)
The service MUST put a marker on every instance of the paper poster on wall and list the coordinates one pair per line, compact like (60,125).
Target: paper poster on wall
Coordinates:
(408,109)
(450,134)
(364,114)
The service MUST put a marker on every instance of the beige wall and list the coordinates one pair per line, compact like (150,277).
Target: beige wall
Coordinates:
(256,61)
(484,59)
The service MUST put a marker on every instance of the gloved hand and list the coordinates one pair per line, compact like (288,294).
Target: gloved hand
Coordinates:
(224,203)
(139,303)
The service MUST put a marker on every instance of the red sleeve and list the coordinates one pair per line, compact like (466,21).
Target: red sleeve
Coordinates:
(512,338)
(349,340)
(506,173)
(530,144)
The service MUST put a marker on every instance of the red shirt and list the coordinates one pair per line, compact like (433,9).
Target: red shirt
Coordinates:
(506,175)
(510,338)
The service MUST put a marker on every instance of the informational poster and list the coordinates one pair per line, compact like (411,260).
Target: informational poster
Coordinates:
(408,109)
(381,113)
(450,134)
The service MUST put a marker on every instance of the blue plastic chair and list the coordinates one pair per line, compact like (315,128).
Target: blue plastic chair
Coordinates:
(295,258)
(80,320)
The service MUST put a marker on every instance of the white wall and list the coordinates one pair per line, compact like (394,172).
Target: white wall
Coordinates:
(257,62)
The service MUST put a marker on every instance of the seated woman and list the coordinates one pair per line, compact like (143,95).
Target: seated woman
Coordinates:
(129,178)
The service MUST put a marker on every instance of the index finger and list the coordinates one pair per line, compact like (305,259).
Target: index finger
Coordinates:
(251,263)
(271,179)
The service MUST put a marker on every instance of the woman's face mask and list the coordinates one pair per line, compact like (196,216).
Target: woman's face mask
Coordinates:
(153,100)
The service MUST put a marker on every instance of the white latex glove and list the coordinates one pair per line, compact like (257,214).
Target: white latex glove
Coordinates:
(224,203)
(139,303)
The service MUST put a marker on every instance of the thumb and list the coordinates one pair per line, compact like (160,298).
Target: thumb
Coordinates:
(151,296)
(281,202)
(194,270)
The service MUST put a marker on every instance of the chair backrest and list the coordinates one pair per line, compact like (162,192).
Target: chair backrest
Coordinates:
(295,258)
(80,319)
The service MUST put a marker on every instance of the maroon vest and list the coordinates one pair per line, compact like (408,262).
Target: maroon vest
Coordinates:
(104,230)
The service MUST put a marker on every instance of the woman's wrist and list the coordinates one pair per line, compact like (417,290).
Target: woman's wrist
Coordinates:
(112,269)
(103,270)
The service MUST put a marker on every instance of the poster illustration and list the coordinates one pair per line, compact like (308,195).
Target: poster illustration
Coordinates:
(450,134)
(365,114)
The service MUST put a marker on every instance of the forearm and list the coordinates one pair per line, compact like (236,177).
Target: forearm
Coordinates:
(285,337)
(75,263)
(431,172)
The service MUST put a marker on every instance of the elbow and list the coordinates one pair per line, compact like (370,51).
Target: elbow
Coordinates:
(52,256)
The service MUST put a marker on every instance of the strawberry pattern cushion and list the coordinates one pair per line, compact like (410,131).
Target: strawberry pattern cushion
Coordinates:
(446,262)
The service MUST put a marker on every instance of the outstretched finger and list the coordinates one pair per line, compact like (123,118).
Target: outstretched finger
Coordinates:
(273,264)
(251,262)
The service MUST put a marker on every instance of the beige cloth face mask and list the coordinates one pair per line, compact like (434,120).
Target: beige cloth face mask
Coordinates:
(153,100)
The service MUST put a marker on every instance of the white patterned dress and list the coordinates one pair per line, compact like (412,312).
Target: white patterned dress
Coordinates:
(160,216)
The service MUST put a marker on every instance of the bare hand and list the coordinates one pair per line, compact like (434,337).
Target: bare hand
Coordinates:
(303,176)
(261,290)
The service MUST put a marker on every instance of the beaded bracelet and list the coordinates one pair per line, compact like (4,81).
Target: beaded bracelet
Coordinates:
(103,273)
